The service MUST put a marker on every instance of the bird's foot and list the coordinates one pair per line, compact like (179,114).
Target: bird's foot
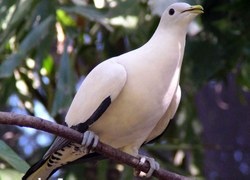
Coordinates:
(153,166)
(90,139)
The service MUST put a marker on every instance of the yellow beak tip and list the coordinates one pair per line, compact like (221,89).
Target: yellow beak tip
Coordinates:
(195,9)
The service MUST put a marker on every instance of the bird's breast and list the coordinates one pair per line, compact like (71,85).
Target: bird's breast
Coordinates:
(152,79)
(135,112)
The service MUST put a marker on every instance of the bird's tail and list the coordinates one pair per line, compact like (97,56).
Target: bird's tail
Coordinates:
(39,171)
(43,169)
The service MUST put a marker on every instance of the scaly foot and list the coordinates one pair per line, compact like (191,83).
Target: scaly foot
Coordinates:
(90,138)
(153,165)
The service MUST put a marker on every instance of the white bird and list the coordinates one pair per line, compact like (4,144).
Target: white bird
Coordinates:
(127,100)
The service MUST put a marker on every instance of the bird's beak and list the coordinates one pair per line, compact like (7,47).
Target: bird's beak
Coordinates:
(197,9)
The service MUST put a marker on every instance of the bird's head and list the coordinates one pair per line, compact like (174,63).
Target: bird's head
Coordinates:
(180,14)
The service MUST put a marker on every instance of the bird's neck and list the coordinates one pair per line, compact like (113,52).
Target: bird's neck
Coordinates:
(168,35)
(168,48)
(168,43)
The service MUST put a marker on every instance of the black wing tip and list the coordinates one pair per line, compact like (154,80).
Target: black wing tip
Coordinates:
(82,127)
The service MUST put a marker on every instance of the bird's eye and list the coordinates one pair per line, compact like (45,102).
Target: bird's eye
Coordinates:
(171,11)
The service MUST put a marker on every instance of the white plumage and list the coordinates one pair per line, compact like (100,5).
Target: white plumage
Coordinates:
(138,93)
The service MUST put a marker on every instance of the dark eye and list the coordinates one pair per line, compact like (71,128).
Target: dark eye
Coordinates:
(171,12)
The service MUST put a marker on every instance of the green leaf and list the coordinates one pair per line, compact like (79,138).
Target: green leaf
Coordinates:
(65,84)
(88,12)
(5,4)
(10,174)
(127,173)
(8,66)
(22,8)
(30,41)
(21,11)
(48,64)
(64,18)
(102,169)
(7,87)
(37,34)
(7,154)
(243,76)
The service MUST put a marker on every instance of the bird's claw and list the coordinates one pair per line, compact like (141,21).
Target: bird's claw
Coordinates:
(153,165)
(90,138)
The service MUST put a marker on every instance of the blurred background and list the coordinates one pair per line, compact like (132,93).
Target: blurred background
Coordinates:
(48,47)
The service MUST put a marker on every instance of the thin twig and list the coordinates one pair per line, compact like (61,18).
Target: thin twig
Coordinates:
(75,136)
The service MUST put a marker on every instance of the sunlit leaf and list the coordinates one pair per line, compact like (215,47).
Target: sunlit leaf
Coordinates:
(10,174)
(64,18)
(4,5)
(22,8)
(48,64)
(7,154)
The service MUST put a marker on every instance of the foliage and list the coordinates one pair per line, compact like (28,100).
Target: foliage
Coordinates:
(9,174)
(48,47)
(12,158)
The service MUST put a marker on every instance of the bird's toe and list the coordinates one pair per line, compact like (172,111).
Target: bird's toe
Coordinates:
(153,165)
(90,139)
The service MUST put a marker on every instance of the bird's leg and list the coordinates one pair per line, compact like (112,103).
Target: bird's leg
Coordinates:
(153,165)
(90,138)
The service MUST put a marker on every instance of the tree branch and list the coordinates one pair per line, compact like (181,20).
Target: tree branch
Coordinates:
(75,136)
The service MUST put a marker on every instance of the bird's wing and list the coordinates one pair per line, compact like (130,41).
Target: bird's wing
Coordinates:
(102,85)
(162,124)
(104,82)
